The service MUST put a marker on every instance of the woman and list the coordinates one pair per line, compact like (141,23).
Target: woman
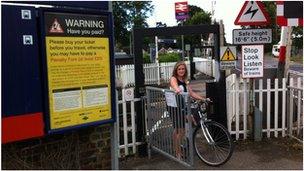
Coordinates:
(179,83)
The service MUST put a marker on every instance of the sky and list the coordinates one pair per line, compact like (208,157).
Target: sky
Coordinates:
(227,10)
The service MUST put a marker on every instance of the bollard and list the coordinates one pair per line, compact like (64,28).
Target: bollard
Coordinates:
(258,118)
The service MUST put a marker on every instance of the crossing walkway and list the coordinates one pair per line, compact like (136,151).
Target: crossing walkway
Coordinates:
(273,154)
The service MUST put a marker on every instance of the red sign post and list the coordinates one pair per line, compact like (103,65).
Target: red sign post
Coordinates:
(289,13)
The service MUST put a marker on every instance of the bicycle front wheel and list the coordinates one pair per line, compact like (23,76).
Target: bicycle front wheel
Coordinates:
(216,152)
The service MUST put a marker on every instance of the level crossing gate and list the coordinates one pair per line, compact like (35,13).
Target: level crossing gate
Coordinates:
(215,89)
(163,110)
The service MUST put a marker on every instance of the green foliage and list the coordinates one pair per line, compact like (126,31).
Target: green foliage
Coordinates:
(271,8)
(200,18)
(129,14)
(197,16)
(297,41)
(194,9)
(168,57)
(146,58)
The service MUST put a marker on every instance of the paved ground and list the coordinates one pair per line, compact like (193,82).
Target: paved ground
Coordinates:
(268,154)
(273,154)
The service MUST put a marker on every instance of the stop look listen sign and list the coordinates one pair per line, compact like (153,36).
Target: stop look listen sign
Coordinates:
(252,61)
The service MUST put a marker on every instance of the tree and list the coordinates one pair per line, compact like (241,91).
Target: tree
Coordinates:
(297,40)
(271,8)
(197,16)
(128,15)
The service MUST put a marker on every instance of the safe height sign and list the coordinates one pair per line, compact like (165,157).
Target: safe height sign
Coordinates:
(252,36)
(252,61)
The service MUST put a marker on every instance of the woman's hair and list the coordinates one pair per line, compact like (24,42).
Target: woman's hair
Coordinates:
(174,73)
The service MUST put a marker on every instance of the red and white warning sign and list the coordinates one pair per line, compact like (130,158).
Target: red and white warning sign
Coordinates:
(252,13)
(55,27)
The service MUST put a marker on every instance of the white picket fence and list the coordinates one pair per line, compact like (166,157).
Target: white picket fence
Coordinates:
(157,73)
(279,120)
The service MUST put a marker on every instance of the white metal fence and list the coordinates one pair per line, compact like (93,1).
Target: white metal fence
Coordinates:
(125,113)
(162,119)
(272,100)
(125,120)
(157,73)
(282,108)
(296,108)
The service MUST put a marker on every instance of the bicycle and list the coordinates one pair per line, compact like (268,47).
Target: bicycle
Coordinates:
(212,141)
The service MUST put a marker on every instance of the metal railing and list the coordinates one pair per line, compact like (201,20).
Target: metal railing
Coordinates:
(168,130)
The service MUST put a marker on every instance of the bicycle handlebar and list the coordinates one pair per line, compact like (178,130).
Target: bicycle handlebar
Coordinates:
(207,100)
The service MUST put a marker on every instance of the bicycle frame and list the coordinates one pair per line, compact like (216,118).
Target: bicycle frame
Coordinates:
(212,153)
(204,128)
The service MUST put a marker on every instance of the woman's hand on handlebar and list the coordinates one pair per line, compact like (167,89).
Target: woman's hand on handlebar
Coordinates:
(208,100)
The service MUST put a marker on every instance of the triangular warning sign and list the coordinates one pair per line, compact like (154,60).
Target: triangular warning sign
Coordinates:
(228,55)
(252,13)
(56,28)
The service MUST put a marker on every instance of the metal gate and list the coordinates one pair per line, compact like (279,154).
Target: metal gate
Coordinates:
(168,130)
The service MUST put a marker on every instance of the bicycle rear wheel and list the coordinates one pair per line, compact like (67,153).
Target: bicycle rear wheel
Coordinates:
(217,153)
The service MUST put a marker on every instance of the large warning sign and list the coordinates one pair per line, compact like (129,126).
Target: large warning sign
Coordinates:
(78,69)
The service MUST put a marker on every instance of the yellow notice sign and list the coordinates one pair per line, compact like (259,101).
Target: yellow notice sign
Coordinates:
(78,80)
(228,55)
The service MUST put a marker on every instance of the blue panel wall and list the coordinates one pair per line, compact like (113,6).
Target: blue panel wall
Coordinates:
(21,81)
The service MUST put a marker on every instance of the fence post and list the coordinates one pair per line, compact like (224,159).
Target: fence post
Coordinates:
(117,122)
(245,105)
(299,105)
(132,75)
(284,107)
(237,112)
(133,125)
(229,102)
(158,73)
(125,126)
(276,106)
(148,123)
(291,91)
(268,107)
(251,107)
(258,117)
